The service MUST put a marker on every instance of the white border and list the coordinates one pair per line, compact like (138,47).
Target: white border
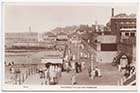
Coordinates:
(56,88)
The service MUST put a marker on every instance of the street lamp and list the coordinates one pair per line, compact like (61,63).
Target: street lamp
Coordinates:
(92,58)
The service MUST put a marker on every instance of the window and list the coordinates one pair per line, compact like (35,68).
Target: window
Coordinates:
(126,34)
(133,22)
(133,34)
(108,47)
(127,22)
(116,26)
(133,30)
(122,23)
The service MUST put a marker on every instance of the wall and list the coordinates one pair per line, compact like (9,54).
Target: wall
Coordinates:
(134,54)
(106,57)
(107,38)
(18,58)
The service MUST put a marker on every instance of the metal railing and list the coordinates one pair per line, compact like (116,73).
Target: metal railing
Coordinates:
(20,78)
(123,79)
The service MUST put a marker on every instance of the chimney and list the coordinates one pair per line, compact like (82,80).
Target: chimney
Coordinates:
(96,26)
(112,12)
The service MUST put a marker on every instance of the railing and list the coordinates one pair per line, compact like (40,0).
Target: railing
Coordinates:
(127,81)
(20,78)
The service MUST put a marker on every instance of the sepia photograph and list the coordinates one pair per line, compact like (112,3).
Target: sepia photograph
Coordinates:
(69,45)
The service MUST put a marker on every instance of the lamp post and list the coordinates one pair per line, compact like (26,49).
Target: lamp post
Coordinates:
(78,51)
(92,58)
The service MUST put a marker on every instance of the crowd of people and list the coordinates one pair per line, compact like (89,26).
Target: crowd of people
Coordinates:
(128,70)
(18,73)
(14,72)
(78,67)
(50,74)
(124,65)
(95,72)
(9,64)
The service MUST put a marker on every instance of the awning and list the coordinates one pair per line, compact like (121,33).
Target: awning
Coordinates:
(52,60)
(119,56)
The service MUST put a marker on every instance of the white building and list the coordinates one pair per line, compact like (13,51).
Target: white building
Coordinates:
(62,36)
(106,48)
(49,36)
(54,57)
(127,43)
(20,37)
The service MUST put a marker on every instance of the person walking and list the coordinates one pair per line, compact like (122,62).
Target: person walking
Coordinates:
(119,67)
(53,75)
(92,74)
(12,70)
(73,78)
(97,72)
(48,81)
(89,71)
(79,66)
(132,70)
(46,72)
(12,63)
(67,67)
(83,65)
(128,68)
(17,77)
(76,67)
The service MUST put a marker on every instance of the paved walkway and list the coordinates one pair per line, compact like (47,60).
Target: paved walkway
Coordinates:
(110,76)
(33,80)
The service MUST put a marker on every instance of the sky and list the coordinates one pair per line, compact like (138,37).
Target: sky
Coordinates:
(42,18)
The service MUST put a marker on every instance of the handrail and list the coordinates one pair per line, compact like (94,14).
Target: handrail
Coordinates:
(123,79)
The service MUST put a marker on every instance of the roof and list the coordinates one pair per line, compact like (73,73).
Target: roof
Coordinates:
(50,34)
(53,53)
(73,34)
(61,33)
(52,60)
(120,56)
(123,15)
(128,29)
(54,56)
(20,34)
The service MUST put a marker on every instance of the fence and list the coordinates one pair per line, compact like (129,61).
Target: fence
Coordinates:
(20,78)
